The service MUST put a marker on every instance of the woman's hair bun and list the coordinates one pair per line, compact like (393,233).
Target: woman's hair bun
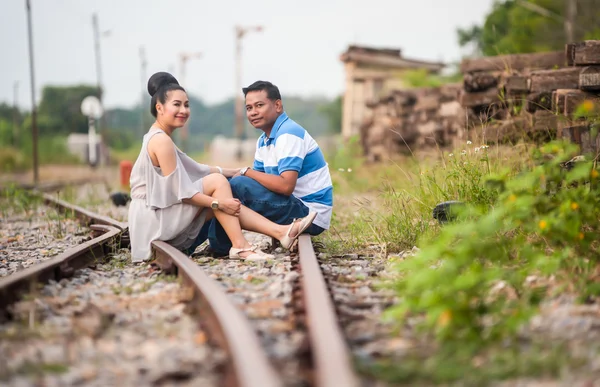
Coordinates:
(159,80)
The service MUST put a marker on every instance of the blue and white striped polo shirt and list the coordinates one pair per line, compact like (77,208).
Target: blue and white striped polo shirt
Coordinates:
(290,147)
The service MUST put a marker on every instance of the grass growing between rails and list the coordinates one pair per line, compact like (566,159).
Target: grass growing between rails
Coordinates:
(389,205)
(526,237)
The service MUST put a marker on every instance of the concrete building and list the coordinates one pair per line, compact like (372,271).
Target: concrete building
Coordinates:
(371,72)
(78,144)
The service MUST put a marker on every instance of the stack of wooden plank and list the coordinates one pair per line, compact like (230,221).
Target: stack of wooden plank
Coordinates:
(512,96)
(503,94)
(573,105)
(410,119)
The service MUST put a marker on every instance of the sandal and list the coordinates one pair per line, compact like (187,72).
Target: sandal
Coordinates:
(287,241)
(257,254)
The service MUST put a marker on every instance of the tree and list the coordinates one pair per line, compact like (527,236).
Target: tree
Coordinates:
(60,109)
(521,26)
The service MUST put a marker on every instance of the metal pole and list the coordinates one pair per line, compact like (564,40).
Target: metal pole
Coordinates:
(239,123)
(34,128)
(570,20)
(102,121)
(184,57)
(184,130)
(143,65)
(15,114)
(97,53)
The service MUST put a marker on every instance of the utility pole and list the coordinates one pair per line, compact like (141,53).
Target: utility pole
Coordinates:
(570,20)
(143,65)
(34,128)
(15,135)
(97,36)
(239,103)
(183,59)
(97,55)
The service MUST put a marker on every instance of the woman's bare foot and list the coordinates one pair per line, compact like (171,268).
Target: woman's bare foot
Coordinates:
(295,229)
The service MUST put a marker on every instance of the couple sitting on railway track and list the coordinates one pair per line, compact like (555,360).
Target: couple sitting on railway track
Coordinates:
(287,191)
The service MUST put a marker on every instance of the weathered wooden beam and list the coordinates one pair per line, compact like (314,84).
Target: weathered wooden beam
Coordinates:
(550,80)
(508,130)
(545,121)
(582,136)
(516,62)
(583,53)
(538,101)
(567,101)
(516,84)
(479,98)
(589,78)
(480,81)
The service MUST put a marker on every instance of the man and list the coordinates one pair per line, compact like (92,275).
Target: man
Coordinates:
(289,176)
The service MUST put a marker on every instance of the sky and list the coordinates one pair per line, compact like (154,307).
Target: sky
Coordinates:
(298,48)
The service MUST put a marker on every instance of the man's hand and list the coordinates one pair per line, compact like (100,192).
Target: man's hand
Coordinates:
(230,206)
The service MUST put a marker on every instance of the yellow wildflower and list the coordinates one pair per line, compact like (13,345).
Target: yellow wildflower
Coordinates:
(594,173)
(512,197)
(587,106)
(444,318)
(580,236)
(574,206)
(543,224)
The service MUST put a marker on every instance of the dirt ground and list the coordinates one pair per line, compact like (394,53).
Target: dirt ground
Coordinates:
(65,174)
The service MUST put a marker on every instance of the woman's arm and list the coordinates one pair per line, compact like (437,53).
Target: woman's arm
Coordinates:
(227,172)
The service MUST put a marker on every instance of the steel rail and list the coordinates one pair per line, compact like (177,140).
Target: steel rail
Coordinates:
(250,366)
(82,214)
(62,266)
(331,356)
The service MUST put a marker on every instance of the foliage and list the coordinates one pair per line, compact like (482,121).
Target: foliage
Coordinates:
(542,224)
(333,112)
(11,159)
(208,121)
(516,26)
(59,111)
(422,78)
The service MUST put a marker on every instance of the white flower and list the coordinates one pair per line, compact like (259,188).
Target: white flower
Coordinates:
(451,155)
(349,169)
(476,149)
(464,152)
(469,142)
(485,146)
(341,169)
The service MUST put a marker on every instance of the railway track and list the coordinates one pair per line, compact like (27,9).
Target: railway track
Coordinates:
(226,328)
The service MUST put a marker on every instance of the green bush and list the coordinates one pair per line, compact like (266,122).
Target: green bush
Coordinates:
(469,282)
(11,160)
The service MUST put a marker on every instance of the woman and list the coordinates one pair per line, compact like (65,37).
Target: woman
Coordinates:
(173,195)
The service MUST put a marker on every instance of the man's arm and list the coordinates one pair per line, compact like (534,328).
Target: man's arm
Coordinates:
(283,184)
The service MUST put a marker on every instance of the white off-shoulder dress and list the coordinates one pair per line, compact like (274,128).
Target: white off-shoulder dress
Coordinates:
(156,211)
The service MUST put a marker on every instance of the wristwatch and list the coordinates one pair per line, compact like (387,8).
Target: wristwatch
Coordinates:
(214,205)
(244,170)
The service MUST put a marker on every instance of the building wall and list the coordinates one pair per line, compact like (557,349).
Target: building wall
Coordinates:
(364,84)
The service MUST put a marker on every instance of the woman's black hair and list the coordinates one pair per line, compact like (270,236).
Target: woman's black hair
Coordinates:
(159,85)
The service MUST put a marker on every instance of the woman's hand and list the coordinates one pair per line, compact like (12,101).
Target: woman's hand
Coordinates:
(230,206)
(231,172)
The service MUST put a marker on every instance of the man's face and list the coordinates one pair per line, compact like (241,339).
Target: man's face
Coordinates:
(261,111)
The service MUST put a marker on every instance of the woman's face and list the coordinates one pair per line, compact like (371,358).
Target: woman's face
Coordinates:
(176,109)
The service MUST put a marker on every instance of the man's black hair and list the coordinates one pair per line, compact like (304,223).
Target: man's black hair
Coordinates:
(272,90)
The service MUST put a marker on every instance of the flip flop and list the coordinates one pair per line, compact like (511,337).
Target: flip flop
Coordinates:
(287,241)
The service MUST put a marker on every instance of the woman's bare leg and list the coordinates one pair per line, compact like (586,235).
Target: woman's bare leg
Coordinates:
(253,221)
(218,187)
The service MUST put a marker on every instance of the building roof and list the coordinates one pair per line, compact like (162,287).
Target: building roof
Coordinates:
(386,57)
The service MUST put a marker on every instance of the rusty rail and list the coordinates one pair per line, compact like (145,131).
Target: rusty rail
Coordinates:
(250,366)
(82,214)
(331,357)
(62,266)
